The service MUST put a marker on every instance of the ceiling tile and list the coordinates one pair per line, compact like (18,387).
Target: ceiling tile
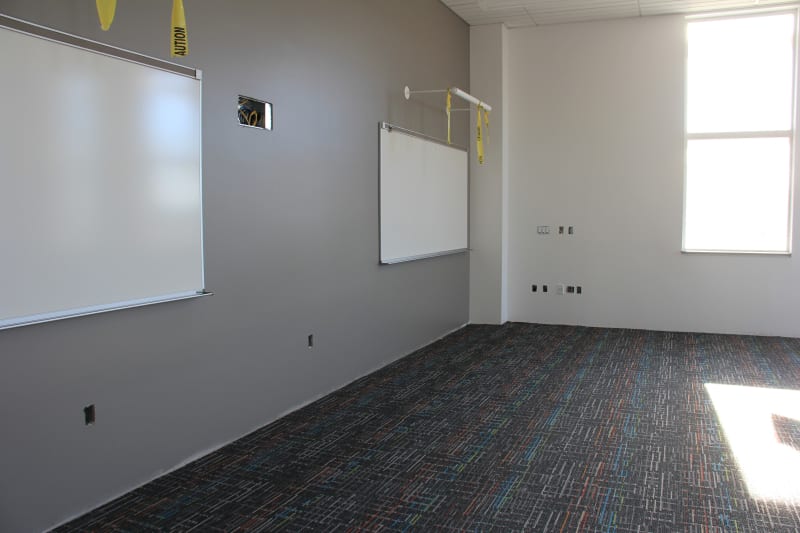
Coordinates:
(662,7)
(560,11)
(519,13)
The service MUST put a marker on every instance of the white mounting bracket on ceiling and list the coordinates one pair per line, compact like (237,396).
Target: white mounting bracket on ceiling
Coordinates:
(455,91)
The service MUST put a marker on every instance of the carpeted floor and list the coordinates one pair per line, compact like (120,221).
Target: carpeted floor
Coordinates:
(513,428)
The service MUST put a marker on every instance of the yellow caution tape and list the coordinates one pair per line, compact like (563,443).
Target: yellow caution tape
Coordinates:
(449,104)
(479,140)
(179,38)
(486,121)
(105,12)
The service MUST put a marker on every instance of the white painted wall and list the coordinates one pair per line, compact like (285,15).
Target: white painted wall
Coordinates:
(595,140)
(488,182)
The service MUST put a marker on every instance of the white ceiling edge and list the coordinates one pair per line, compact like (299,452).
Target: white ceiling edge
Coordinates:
(523,13)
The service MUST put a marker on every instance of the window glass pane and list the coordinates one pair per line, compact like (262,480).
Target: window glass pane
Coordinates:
(740,74)
(737,194)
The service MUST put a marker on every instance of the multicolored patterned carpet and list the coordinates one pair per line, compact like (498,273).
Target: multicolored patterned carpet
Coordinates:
(518,427)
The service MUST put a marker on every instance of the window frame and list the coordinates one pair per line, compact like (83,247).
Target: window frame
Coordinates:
(791,134)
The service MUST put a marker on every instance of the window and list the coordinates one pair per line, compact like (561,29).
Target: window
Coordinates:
(740,134)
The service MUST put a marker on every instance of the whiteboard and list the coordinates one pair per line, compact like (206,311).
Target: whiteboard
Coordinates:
(100,181)
(423,197)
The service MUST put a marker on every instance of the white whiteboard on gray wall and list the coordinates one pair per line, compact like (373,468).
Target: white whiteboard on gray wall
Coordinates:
(100,179)
(423,197)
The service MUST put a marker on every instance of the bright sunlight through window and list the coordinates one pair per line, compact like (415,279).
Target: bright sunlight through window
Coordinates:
(739,134)
(758,424)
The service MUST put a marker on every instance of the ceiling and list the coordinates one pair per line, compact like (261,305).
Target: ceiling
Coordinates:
(517,13)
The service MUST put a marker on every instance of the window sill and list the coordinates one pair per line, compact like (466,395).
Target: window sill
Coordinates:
(733,252)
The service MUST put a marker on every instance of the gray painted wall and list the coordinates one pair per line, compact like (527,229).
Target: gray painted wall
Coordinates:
(291,222)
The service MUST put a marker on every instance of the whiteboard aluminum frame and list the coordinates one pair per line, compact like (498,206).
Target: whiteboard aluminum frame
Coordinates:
(392,128)
(50,34)
(424,256)
(43,318)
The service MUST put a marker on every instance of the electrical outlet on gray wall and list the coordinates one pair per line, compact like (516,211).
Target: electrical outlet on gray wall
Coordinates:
(89,415)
